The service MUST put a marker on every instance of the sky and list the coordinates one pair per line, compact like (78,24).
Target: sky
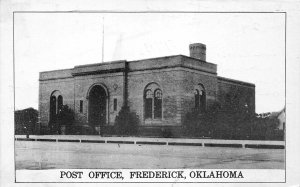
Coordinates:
(245,46)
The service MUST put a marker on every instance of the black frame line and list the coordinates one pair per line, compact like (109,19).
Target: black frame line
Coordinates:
(148,12)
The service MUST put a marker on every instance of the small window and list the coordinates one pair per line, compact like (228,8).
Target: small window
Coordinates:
(200,98)
(115,104)
(81,106)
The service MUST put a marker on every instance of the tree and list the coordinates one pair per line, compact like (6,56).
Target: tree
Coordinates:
(126,122)
(65,119)
(25,121)
(201,123)
(230,121)
(264,129)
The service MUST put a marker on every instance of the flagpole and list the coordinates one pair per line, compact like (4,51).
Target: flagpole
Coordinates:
(102,39)
(102,59)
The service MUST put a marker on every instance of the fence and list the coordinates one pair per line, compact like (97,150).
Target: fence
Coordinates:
(260,144)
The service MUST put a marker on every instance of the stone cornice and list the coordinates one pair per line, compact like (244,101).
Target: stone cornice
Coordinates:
(168,62)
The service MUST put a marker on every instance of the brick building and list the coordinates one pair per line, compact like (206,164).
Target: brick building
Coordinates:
(160,90)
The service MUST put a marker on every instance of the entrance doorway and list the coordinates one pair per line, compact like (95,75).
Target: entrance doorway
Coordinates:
(97,110)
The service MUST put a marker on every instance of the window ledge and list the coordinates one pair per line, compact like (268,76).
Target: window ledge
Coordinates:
(153,121)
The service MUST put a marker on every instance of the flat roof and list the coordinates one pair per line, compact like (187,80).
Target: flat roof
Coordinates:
(235,81)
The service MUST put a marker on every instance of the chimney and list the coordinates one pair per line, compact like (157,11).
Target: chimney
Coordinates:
(198,50)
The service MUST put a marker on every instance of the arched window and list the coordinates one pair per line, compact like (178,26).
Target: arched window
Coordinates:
(56,103)
(200,98)
(52,108)
(153,102)
(157,103)
(148,103)
(59,103)
(197,98)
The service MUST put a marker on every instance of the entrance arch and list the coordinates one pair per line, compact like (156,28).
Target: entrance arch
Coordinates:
(97,107)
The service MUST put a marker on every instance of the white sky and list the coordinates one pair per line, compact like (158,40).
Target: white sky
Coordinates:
(247,46)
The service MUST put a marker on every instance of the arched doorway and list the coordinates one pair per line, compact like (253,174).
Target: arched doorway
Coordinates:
(97,110)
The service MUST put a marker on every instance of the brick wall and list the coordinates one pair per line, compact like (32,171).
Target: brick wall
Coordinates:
(190,79)
(177,76)
(169,81)
(113,83)
(65,86)
(242,92)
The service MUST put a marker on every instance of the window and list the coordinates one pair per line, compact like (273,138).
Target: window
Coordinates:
(197,98)
(81,106)
(148,104)
(157,103)
(56,104)
(200,98)
(52,108)
(59,103)
(115,104)
(153,102)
